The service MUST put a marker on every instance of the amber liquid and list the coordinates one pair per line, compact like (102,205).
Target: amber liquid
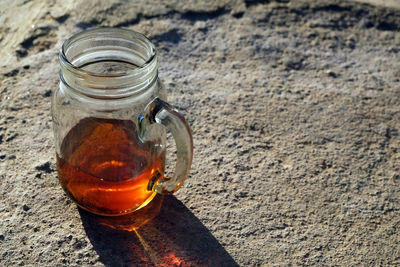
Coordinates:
(106,169)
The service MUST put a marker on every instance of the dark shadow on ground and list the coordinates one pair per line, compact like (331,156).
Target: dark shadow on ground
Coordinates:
(173,238)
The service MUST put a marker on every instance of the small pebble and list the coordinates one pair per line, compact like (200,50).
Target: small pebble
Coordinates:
(331,73)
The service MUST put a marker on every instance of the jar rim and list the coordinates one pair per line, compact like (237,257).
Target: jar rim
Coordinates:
(108,44)
(125,33)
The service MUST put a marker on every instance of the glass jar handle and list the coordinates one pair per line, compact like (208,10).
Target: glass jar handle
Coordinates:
(161,112)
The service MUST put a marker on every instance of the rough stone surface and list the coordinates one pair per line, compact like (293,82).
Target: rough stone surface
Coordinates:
(295,112)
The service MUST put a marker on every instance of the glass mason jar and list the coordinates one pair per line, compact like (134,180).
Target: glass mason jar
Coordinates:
(110,120)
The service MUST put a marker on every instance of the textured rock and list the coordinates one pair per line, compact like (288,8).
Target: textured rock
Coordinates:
(295,112)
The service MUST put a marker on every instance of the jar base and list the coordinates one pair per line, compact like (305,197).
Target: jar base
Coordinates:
(127,222)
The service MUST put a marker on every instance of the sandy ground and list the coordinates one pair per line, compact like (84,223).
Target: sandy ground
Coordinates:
(384,3)
(295,112)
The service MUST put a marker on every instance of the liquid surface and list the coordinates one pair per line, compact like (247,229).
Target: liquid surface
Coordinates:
(105,168)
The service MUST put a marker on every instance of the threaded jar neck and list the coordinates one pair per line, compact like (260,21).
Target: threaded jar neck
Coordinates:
(108,63)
